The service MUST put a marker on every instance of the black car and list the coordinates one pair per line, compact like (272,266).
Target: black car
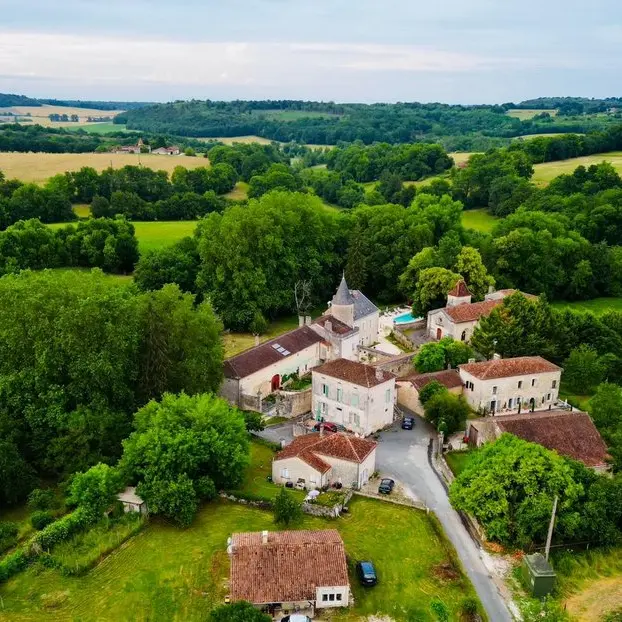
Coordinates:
(408,423)
(366,573)
(386,486)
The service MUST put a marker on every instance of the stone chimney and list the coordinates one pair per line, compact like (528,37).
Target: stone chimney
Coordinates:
(491,289)
(321,430)
(471,360)
(307,320)
(264,537)
(328,325)
(379,374)
(256,340)
(496,357)
(301,320)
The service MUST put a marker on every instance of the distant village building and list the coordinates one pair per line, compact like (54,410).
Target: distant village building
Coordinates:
(357,396)
(171,151)
(460,317)
(139,147)
(289,571)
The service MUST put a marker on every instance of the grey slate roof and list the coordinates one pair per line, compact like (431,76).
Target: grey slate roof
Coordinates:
(362,305)
(343,295)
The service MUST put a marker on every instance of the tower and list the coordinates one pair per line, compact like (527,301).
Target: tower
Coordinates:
(342,305)
(459,294)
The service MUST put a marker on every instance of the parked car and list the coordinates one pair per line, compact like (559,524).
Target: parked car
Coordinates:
(296,617)
(386,486)
(366,573)
(408,423)
(328,427)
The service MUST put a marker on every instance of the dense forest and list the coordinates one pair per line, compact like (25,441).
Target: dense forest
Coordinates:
(468,128)
(9,99)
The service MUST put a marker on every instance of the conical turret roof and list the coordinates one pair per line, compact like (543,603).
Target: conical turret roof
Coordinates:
(343,295)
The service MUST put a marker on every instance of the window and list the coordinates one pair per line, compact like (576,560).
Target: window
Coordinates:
(554,384)
(331,597)
(520,384)
(325,390)
(338,596)
(285,473)
(354,400)
(533,382)
(324,598)
(510,403)
(323,407)
(494,390)
(354,419)
(387,396)
(339,394)
(463,336)
(548,397)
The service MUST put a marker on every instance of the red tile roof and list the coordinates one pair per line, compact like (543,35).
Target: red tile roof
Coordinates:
(339,327)
(354,372)
(571,434)
(264,355)
(472,311)
(288,568)
(447,377)
(459,290)
(311,448)
(507,368)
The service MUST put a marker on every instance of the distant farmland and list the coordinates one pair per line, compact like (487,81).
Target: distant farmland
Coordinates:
(40,114)
(544,173)
(38,167)
(528,113)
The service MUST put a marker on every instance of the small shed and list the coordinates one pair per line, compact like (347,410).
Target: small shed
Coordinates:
(131,501)
(538,575)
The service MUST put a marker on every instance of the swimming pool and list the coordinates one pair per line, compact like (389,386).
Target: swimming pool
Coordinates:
(406,318)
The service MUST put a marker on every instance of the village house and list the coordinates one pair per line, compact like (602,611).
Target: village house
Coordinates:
(506,385)
(131,501)
(571,434)
(289,571)
(139,147)
(460,317)
(171,151)
(357,396)
(409,386)
(323,459)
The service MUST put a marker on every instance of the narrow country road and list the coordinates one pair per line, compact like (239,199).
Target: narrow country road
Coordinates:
(404,455)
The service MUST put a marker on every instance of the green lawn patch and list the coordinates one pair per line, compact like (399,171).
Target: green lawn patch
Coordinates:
(544,173)
(275,421)
(596,305)
(239,192)
(159,234)
(165,573)
(82,210)
(457,460)
(479,220)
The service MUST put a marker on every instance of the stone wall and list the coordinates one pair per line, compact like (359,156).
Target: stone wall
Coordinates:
(314,509)
(398,365)
(295,403)
(403,339)
(250,402)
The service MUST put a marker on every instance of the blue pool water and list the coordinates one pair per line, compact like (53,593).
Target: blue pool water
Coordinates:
(406,318)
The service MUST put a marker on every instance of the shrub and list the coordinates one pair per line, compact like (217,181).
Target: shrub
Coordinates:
(42,499)
(41,519)
(8,535)
(430,390)
(60,530)
(286,508)
(469,606)
(238,612)
(12,564)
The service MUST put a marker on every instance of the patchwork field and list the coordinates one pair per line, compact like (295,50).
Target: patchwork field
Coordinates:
(596,305)
(98,128)
(38,167)
(40,114)
(165,573)
(544,173)
(528,113)
(479,220)
(229,140)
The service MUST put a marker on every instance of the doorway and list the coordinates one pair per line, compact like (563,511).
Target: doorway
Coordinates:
(276,382)
(439,334)
(493,407)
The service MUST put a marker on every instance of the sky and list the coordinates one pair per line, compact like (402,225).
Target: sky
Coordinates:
(454,51)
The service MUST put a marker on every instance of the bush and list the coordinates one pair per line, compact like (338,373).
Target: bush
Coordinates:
(469,606)
(42,499)
(8,535)
(41,519)
(430,390)
(286,508)
(447,412)
(12,564)
(238,612)
(60,530)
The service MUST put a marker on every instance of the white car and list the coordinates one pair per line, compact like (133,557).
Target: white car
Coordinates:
(296,617)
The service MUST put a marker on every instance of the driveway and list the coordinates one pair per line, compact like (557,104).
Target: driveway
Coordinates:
(404,454)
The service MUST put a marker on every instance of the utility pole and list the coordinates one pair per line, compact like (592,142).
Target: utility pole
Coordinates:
(550,534)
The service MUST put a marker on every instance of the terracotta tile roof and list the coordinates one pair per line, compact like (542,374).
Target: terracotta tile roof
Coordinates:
(339,327)
(459,290)
(311,448)
(288,568)
(507,368)
(448,377)
(471,311)
(264,355)
(571,434)
(354,372)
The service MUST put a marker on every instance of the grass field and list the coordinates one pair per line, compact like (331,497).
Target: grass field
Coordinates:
(596,305)
(461,157)
(544,173)
(230,140)
(238,342)
(528,113)
(457,460)
(165,573)
(39,167)
(82,210)
(99,128)
(40,114)
(544,135)
(479,220)
(239,193)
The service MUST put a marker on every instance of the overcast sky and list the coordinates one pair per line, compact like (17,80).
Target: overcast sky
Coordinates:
(456,51)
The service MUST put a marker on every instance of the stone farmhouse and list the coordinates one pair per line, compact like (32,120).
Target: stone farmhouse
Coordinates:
(460,317)
(170,151)
(570,434)
(289,571)
(139,147)
(350,321)
(323,459)
(357,396)
(503,386)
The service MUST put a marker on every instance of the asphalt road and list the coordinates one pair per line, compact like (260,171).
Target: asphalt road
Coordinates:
(404,455)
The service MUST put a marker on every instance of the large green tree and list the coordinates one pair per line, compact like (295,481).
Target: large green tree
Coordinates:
(238,612)
(470,266)
(432,288)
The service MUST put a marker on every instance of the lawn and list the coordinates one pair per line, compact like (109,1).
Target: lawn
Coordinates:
(544,173)
(596,305)
(99,128)
(39,167)
(457,460)
(461,157)
(239,193)
(166,573)
(82,210)
(479,220)
(154,235)
(528,113)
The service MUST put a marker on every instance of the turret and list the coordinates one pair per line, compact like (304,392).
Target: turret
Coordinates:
(342,305)
(459,295)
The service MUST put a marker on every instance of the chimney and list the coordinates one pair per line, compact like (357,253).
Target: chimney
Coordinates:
(256,340)
(471,360)
(301,320)
(308,320)
(496,357)
(264,537)
(379,374)
(321,430)
(328,325)
(491,289)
